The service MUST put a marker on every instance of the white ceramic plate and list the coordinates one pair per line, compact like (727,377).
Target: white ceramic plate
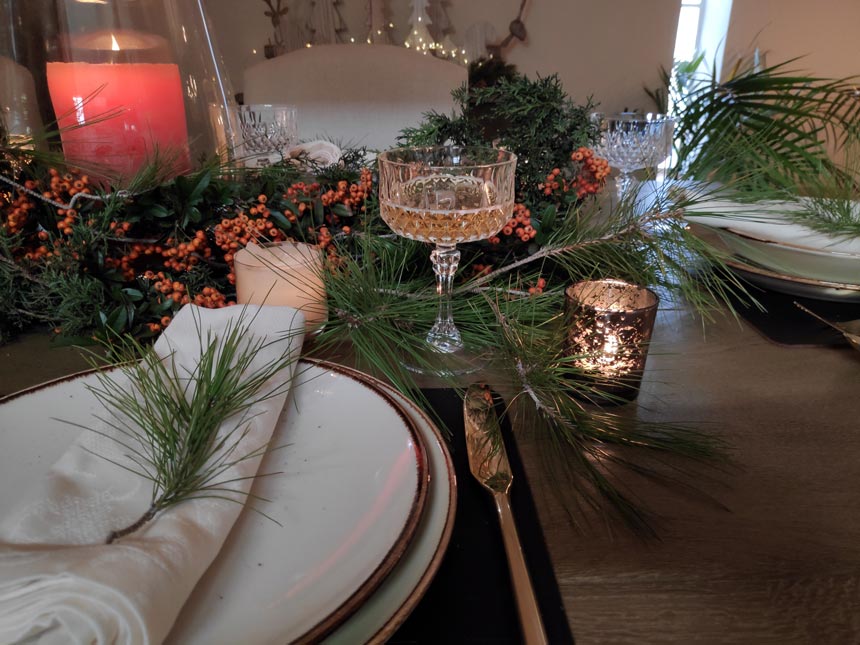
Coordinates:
(392,603)
(796,286)
(350,499)
(764,234)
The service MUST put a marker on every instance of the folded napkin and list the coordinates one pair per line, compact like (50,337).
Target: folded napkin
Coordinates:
(60,582)
(323,153)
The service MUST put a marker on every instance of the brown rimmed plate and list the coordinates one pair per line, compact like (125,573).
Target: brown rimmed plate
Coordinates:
(350,499)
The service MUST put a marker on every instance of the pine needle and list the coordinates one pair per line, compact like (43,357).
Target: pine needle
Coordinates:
(171,422)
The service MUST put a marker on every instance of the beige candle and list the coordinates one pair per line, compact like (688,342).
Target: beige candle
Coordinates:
(283,274)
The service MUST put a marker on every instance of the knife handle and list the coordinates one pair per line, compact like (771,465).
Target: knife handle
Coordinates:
(527,607)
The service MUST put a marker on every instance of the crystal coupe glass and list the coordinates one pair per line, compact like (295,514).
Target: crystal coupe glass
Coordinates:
(268,132)
(630,141)
(446,195)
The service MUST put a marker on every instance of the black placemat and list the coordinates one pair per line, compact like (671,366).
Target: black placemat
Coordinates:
(784,323)
(471,600)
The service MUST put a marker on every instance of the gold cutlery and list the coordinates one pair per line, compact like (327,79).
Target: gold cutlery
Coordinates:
(849,329)
(488,462)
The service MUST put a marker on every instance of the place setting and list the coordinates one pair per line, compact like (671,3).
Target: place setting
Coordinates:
(461,357)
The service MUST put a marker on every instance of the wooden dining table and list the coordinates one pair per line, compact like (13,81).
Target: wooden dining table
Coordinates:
(765,550)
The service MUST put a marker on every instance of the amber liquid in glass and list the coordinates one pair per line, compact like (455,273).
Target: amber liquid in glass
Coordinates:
(445,209)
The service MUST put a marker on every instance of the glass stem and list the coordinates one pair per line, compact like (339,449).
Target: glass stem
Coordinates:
(444,336)
(623,183)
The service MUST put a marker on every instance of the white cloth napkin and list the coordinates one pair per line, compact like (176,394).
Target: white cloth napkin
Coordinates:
(324,153)
(59,582)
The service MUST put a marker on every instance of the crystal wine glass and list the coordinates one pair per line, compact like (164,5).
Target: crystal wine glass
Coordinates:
(630,141)
(268,131)
(446,195)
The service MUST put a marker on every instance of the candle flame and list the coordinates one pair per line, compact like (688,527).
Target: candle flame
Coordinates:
(114,45)
(610,349)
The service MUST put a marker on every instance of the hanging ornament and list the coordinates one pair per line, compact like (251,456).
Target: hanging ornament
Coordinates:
(419,37)
(516,30)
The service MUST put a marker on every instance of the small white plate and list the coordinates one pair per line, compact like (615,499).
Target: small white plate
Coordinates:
(354,483)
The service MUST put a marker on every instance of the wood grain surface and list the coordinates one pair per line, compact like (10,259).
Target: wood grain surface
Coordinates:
(782,563)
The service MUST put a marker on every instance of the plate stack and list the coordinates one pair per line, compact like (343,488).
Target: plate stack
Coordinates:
(771,250)
(359,501)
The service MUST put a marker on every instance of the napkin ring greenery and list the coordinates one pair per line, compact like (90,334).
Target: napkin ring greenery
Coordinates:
(169,420)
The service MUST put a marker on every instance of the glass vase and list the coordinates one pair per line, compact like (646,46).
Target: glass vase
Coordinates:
(126,82)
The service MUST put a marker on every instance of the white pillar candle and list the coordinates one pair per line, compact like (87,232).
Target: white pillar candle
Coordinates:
(283,274)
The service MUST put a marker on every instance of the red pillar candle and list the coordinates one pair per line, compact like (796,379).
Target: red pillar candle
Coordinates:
(118,115)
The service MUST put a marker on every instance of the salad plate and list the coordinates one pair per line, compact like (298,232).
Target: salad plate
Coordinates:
(345,503)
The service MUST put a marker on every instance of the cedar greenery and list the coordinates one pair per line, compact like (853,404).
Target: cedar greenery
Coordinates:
(533,118)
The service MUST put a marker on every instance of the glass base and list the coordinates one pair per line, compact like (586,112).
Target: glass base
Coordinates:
(444,364)
(444,337)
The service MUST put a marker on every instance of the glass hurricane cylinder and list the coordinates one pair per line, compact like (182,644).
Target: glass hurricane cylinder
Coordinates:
(608,326)
(128,82)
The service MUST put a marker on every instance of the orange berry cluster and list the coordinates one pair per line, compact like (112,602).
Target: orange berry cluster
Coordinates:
(175,256)
(181,257)
(211,298)
(538,288)
(18,211)
(593,171)
(119,229)
(589,174)
(61,189)
(479,270)
(168,287)
(234,233)
(298,191)
(352,195)
(520,225)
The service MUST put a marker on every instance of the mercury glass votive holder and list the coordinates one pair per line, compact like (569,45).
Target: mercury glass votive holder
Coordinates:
(608,329)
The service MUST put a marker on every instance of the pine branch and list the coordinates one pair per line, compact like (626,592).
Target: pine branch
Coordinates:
(171,422)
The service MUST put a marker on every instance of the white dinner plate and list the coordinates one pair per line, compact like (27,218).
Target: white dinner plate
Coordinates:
(794,285)
(793,259)
(350,497)
(392,603)
(765,234)
(775,280)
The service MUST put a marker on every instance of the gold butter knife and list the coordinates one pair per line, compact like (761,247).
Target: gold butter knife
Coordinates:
(488,462)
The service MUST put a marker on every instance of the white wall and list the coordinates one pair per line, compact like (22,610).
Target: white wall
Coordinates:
(607,49)
(824,33)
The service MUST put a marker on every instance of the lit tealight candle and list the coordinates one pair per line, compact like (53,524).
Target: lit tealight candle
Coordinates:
(283,274)
(609,325)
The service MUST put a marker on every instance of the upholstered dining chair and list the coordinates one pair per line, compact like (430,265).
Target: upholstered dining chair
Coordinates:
(356,95)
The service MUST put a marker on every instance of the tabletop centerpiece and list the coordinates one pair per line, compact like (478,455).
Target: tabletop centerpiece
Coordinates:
(88,260)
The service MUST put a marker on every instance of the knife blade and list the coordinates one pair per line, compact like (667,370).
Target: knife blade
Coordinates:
(488,462)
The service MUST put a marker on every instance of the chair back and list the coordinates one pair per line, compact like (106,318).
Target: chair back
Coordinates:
(356,95)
